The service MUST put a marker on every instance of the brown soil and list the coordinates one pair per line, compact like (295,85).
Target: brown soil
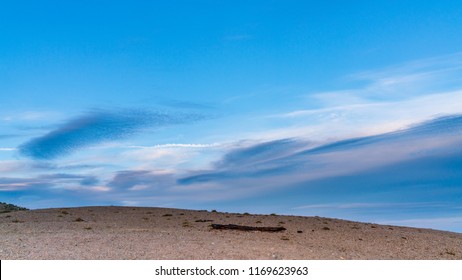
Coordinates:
(162,233)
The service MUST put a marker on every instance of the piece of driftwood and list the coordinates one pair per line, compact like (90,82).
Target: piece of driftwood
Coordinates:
(247,228)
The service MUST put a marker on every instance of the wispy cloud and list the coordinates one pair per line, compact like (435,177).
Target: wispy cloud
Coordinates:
(288,163)
(378,101)
(47,181)
(137,180)
(177,145)
(418,77)
(98,127)
(261,152)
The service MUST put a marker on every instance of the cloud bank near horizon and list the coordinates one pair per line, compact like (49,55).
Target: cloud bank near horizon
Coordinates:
(402,168)
(287,160)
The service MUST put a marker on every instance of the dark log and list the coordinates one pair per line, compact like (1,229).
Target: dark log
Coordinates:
(247,228)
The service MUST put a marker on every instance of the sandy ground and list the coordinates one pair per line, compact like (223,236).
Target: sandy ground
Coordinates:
(161,233)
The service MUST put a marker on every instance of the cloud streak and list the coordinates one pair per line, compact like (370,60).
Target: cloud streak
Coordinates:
(287,161)
(43,182)
(98,127)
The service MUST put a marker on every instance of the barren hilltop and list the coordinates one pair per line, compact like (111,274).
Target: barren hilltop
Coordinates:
(162,233)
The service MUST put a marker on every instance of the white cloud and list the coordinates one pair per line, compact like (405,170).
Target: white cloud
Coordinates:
(177,145)
(172,156)
(389,99)
(374,118)
(7,149)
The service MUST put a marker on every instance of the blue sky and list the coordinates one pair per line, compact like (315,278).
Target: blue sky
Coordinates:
(346,109)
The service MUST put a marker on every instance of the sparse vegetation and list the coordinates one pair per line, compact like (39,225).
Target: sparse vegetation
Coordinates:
(167,215)
(214,211)
(79,220)
(203,221)
(17,221)
(7,207)
(87,228)
(258,222)
(326,228)
(449,252)
(284,238)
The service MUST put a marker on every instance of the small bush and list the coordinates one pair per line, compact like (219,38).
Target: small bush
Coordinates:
(7,207)
(450,253)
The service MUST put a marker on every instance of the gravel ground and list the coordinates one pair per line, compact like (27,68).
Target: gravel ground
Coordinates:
(162,233)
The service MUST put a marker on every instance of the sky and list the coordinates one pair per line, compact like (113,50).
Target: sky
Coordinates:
(341,109)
